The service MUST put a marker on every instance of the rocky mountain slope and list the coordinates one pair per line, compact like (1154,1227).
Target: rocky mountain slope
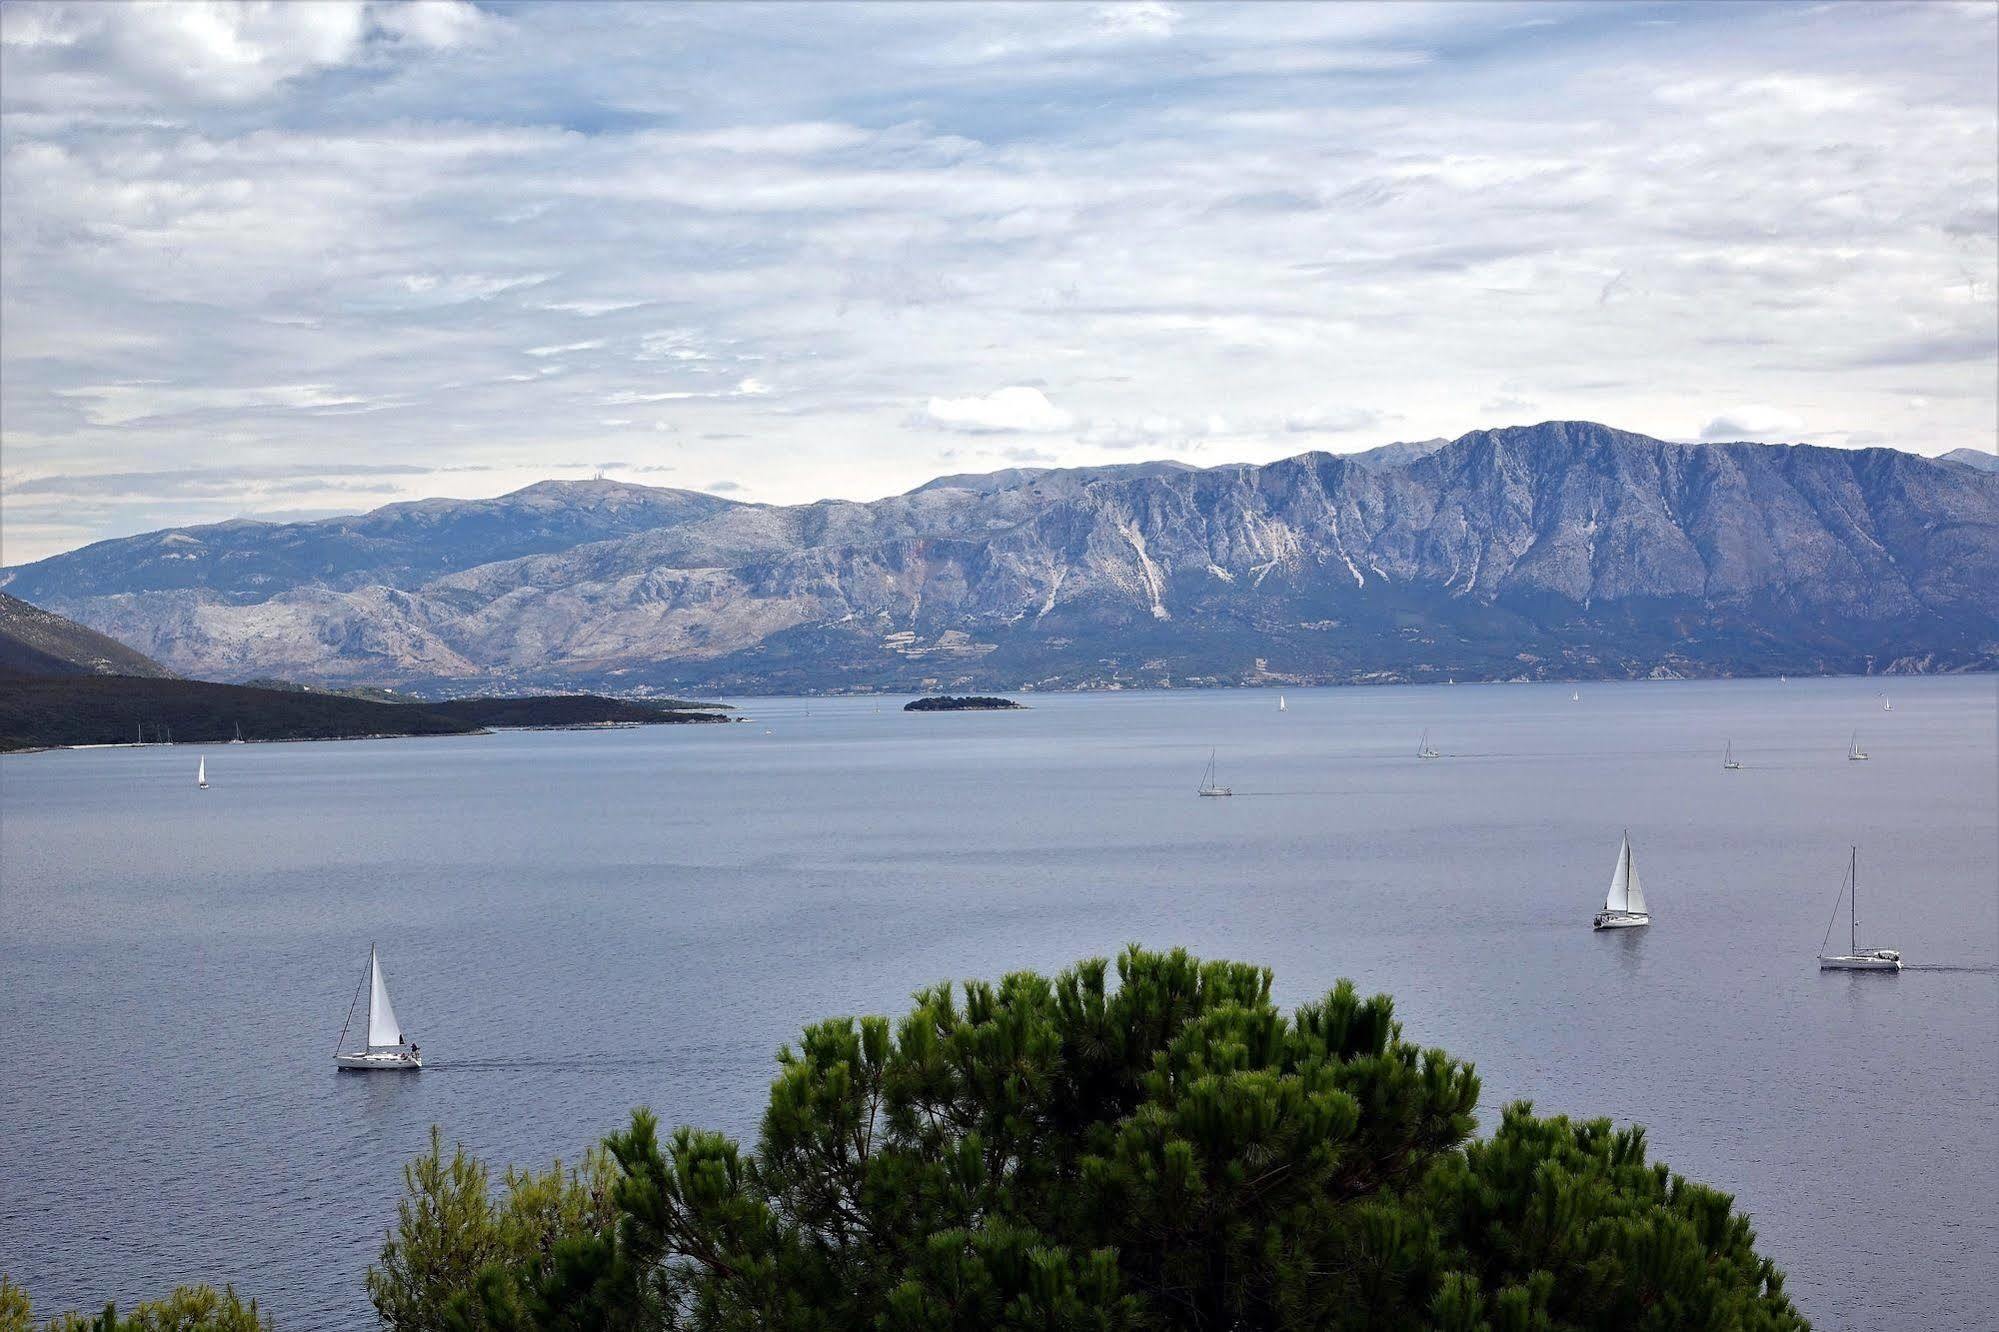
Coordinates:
(38,642)
(1982,459)
(1564,549)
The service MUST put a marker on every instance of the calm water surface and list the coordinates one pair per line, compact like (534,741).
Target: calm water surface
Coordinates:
(577,923)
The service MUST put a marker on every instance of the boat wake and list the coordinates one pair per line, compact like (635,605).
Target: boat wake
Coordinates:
(564,1061)
(1975,968)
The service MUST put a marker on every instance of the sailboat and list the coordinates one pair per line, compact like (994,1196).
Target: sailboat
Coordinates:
(1624,904)
(1728,763)
(1854,753)
(1210,783)
(1423,749)
(383,1046)
(1855,958)
(1886,704)
(1280,702)
(201,773)
(239,734)
(1575,696)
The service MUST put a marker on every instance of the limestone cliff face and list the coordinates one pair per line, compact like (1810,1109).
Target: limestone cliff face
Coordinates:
(1559,549)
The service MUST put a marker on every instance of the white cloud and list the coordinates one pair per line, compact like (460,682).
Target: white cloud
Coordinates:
(1755,422)
(1020,408)
(122,404)
(1332,420)
(440,24)
(1126,222)
(1138,18)
(196,51)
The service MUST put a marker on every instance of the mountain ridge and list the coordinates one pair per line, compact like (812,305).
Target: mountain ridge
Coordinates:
(1566,548)
(37,642)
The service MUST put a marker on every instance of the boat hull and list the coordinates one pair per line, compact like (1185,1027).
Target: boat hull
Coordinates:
(1620,920)
(1218,793)
(1860,962)
(377,1063)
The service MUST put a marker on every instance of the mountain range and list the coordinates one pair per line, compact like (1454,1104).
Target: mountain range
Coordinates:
(1561,550)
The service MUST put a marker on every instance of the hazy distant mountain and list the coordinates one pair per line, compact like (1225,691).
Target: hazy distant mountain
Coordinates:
(38,642)
(1395,455)
(1983,460)
(1545,551)
(398,545)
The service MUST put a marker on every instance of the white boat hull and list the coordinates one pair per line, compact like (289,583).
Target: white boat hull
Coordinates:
(386,1061)
(1884,960)
(1220,791)
(1621,920)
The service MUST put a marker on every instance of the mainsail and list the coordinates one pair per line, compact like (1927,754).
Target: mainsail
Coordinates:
(1626,893)
(383,1029)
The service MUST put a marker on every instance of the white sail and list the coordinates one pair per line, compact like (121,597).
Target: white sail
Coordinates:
(382,1026)
(1280,702)
(1634,891)
(1624,883)
(201,772)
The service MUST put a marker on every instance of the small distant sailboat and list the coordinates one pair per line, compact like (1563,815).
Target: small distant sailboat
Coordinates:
(239,734)
(1575,696)
(1280,702)
(1783,679)
(383,1046)
(1855,958)
(201,773)
(1887,705)
(1624,904)
(1423,749)
(1210,782)
(1728,763)
(1854,753)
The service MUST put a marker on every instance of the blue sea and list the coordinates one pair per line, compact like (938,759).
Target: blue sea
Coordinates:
(576,923)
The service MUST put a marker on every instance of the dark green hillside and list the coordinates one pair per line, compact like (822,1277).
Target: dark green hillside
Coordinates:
(570,710)
(38,642)
(97,710)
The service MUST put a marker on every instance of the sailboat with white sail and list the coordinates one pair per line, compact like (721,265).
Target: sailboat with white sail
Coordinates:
(1210,782)
(1728,763)
(1854,753)
(1855,958)
(1575,696)
(1280,702)
(201,773)
(383,1046)
(239,734)
(1423,749)
(1624,905)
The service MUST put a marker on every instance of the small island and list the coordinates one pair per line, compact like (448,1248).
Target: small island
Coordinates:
(965,703)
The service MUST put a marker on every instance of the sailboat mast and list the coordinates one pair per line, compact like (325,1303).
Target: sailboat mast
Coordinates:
(374,983)
(1853,933)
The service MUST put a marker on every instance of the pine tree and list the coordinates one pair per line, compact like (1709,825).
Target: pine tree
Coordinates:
(1172,1152)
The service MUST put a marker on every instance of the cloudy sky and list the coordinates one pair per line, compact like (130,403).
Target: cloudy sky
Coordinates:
(295,259)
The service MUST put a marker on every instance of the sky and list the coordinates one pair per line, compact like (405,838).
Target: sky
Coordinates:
(287,260)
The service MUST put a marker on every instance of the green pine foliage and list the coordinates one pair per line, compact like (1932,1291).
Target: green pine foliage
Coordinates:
(450,1228)
(1172,1152)
(187,1309)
